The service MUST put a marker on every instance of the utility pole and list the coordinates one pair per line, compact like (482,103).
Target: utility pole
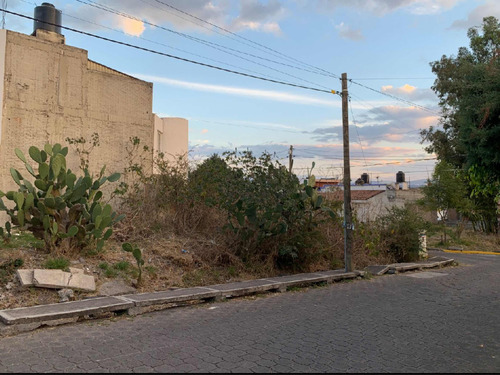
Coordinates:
(290,159)
(348,228)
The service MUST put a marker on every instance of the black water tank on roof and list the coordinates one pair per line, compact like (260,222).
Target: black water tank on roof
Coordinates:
(400,177)
(366,178)
(47,17)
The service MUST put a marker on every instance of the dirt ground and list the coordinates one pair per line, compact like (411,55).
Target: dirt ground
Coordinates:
(169,263)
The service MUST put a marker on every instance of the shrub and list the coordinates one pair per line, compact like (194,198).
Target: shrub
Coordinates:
(237,209)
(65,211)
(400,230)
(273,216)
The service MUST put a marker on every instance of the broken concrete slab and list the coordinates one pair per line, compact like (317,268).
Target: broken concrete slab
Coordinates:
(65,295)
(52,312)
(25,277)
(52,279)
(115,288)
(299,279)
(76,270)
(377,270)
(56,279)
(442,260)
(402,267)
(172,296)
(335,275)
(242,288)
(82,282)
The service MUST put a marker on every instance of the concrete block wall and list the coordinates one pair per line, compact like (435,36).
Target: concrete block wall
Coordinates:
(49,92)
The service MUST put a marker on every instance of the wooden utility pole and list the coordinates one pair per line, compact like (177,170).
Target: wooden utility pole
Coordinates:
(290,159)
(348,228)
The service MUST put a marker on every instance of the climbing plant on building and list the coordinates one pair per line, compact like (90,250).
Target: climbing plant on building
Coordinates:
(66,211)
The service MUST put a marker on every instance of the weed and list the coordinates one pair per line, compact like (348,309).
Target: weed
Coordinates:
(151,270)
(57,264)
(111,273)
(122,266)
(7,269)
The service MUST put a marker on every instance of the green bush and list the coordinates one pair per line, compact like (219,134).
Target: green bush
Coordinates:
(269,211)
(400,230)
(65,211)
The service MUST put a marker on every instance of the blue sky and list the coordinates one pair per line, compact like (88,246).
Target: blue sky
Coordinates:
(383,44)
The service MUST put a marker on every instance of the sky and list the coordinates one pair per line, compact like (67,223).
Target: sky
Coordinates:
(384,47)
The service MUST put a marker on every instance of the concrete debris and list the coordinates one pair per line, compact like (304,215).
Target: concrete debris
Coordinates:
(9,286)
(115,288)
(25,277)
(66,295)
(57,279)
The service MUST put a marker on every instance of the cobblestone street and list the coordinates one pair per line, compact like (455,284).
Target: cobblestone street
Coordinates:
(444,320)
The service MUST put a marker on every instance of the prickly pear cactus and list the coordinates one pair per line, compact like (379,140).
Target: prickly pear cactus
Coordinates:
(64,210)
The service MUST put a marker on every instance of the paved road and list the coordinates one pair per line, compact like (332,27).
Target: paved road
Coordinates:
(397,323)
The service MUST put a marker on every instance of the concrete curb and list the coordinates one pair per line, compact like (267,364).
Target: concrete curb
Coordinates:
(403,267)
(23,319)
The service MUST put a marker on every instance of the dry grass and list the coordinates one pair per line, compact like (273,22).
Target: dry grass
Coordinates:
(469,240)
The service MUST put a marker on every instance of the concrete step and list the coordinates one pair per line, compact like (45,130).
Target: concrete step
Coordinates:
(56,311)
(171,296)
(242,288)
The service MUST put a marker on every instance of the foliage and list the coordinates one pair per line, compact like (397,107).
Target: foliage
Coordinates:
(267,208)
(447,190)
(467,86)
(400,229)
(137,253)
(8,267)
(83,148)
(244,208)
(65,211)
(5,234)
(57,264)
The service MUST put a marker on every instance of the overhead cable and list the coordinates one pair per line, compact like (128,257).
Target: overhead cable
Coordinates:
(169,55)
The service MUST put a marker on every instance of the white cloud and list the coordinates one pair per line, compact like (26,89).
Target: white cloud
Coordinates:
(346,32)
(249,14)
(382,7)
(259,16)
(410,92)
(389,123)
(240,91)
(475,17)
(132,27)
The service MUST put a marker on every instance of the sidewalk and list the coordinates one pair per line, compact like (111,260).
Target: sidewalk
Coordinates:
(13,321)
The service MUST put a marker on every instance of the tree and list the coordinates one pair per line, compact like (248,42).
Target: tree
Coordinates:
(468,87)
(445,191)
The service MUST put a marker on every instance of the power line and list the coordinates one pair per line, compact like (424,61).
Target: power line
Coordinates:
(165,45)
(168,55)
(298,61)
(216,46)
(395,97)
(109,9)
(275,52)
(392,78)
(356,127)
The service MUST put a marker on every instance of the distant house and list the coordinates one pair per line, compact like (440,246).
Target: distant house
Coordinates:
(369,205)
(325,184)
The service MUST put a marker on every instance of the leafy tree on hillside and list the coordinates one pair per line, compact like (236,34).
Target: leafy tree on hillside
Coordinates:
(468,87)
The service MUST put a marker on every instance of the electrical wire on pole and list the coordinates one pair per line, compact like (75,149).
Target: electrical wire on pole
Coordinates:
(348,227)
